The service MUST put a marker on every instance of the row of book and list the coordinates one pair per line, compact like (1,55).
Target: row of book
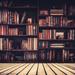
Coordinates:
(3,30)
(31,30)
(53,21)
(47,56)
(28,30)
(9,17)
(71,34)
(46,44)
(30,56)
(53,18)
(28,44)
(50,56)
(55,34)
(25,56)
(14,17)
(51,12)
(57,56)
(47,34)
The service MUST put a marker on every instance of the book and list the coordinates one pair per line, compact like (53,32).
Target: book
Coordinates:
(56,12)
(23,17)
(10,17)
(29,21)
(47,34)
(24,45)
(42,22)
(1,47)
(31,30)
(13,31)
(10,43)
(71,34)
(3,30)
(34,30)
(43,12)
(35,44)
(4,17)
(3,43)
(16,17)
(0,17)
(57,45)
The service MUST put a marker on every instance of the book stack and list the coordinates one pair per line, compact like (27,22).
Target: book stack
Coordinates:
(57,45)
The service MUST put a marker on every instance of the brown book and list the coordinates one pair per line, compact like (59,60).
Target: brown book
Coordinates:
(56,12)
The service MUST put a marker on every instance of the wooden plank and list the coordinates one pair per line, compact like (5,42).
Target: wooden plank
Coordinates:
(5,65)
(64,70)
(33,70)
(48,70)
(7,68)
(12,69)
(70,70)
(70,66)
(25,71)
(18,70)
(57,71)
(41,70)
(44,69)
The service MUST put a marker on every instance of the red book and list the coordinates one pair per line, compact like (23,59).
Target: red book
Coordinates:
(3,30)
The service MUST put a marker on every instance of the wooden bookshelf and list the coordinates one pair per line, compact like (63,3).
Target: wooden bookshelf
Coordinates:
(57,27)
(57,40)
(31,31)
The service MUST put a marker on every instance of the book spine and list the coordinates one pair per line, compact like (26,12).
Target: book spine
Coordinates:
(35,44)
(0,17)
(1,44)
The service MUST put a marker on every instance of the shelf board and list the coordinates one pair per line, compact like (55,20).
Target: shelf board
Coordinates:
(16,25)
(56,27)
(13,24)
(57,40)
(65,48)
(18,36)
(40,49)
(19,8)
(18,50)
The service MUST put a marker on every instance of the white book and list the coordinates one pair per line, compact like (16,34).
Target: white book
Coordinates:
(23,17)
(17,18)
(35,43)
(1,46)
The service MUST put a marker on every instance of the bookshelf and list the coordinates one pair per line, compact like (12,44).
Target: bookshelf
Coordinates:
(31,31)
(18,31)
(57,33)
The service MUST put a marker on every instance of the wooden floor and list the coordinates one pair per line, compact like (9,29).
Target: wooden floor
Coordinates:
(37,69)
